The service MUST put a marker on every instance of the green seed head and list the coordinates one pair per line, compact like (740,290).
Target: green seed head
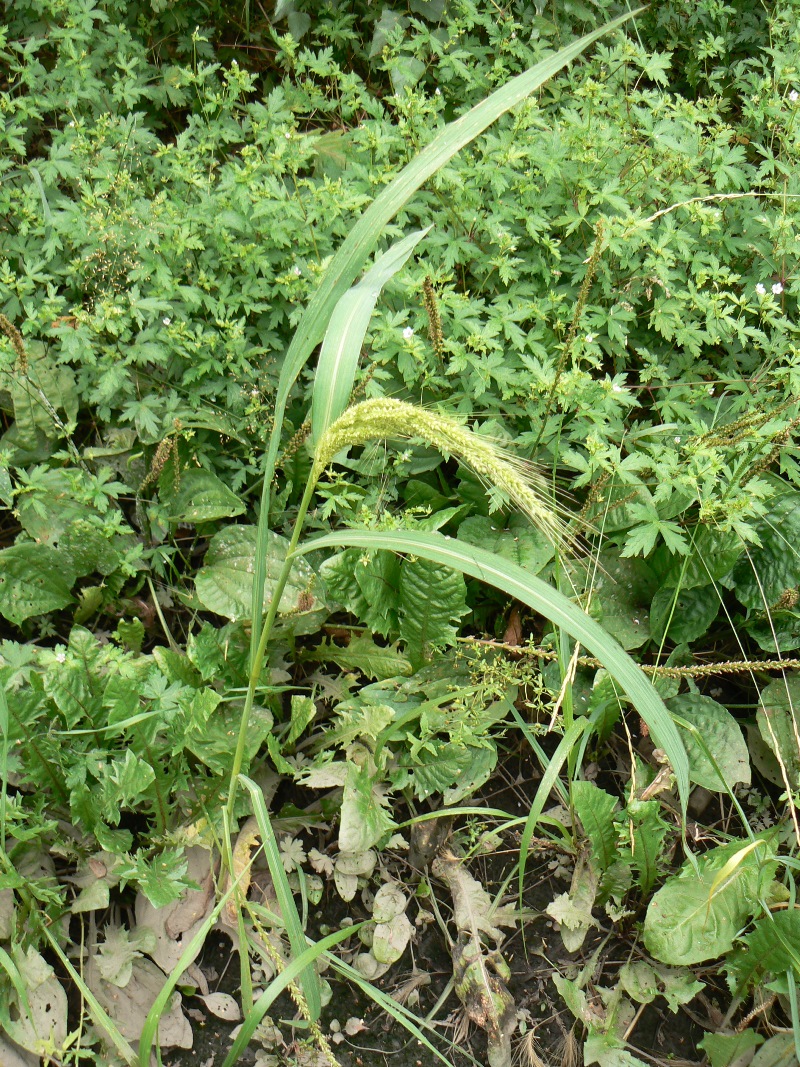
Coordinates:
(384,418)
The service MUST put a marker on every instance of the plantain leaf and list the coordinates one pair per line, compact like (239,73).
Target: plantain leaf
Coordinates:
(556,607)
(34,579)
(338,359)
(696,915)
(717,739)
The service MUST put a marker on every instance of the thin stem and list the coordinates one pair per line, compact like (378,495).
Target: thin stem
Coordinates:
(257,661)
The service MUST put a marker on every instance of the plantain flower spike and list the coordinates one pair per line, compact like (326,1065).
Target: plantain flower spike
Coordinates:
(384,418)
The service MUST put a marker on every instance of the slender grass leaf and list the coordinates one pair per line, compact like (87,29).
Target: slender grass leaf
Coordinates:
(309,978)
(304,961)
(338,358)
(517,583)
(352,255)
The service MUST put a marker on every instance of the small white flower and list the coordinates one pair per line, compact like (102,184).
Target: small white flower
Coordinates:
(616,388)
(711,390)
(72,123)
(777,288)
(589,338)
(677,440)
(438,91)
(408,333)
(297,271)
(61,656)
(760,289)
(288,136)
(794,96)
(166,320)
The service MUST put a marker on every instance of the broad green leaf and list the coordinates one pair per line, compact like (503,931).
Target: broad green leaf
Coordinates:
(644,981)
(777,1051)
(452,768)
(338,359)
(224,583)
(203,497)
(695,916)
(595,808)
(361,240)
(432,598)
(727,1050)
(520,543)
(34,579)
(768,570)
(778,719)
(720,735)
(549,602)
(621,598)
(363,818)
(685,616)
(367,585)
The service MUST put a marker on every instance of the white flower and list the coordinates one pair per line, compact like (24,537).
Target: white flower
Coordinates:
(589,338)
(72,123)
(777,288)
(297,271)
(166,320)
(438,91)
(677,440)
(760,289)
(616,388)
(61,656)
(288,136)
(794,96)
(408,333)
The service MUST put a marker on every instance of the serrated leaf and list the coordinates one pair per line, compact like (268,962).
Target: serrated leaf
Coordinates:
(378,662)
(203,497)
(647,833)
(432,598)
(595,808)
(521,543)
(720,735)
(367,585)
(694,917)
(224,583)
(34,579)
(772,947)
(303,711)
(452,768)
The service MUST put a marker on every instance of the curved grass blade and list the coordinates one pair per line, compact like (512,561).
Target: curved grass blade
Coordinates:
(351,257)
(309,979)
(338,358)
(300,963)
(518,583)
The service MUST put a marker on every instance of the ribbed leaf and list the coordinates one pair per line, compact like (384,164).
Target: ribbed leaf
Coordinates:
(595,808)
(549,602)
(338,359)
(432,598)
(353,254)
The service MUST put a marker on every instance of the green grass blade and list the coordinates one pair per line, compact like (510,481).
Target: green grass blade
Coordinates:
(97,1012)
(338,358)
(522,586)
(309,979)
(304,961)
(353,254)
(547,784)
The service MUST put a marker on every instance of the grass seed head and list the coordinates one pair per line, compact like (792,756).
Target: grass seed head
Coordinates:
(386,418)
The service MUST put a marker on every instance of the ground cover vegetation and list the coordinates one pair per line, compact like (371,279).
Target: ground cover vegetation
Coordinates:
(400,508)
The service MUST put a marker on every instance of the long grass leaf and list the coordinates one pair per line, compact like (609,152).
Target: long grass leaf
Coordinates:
(351,257)
(309,979)
(338,358)
(522,586)
(304,961)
